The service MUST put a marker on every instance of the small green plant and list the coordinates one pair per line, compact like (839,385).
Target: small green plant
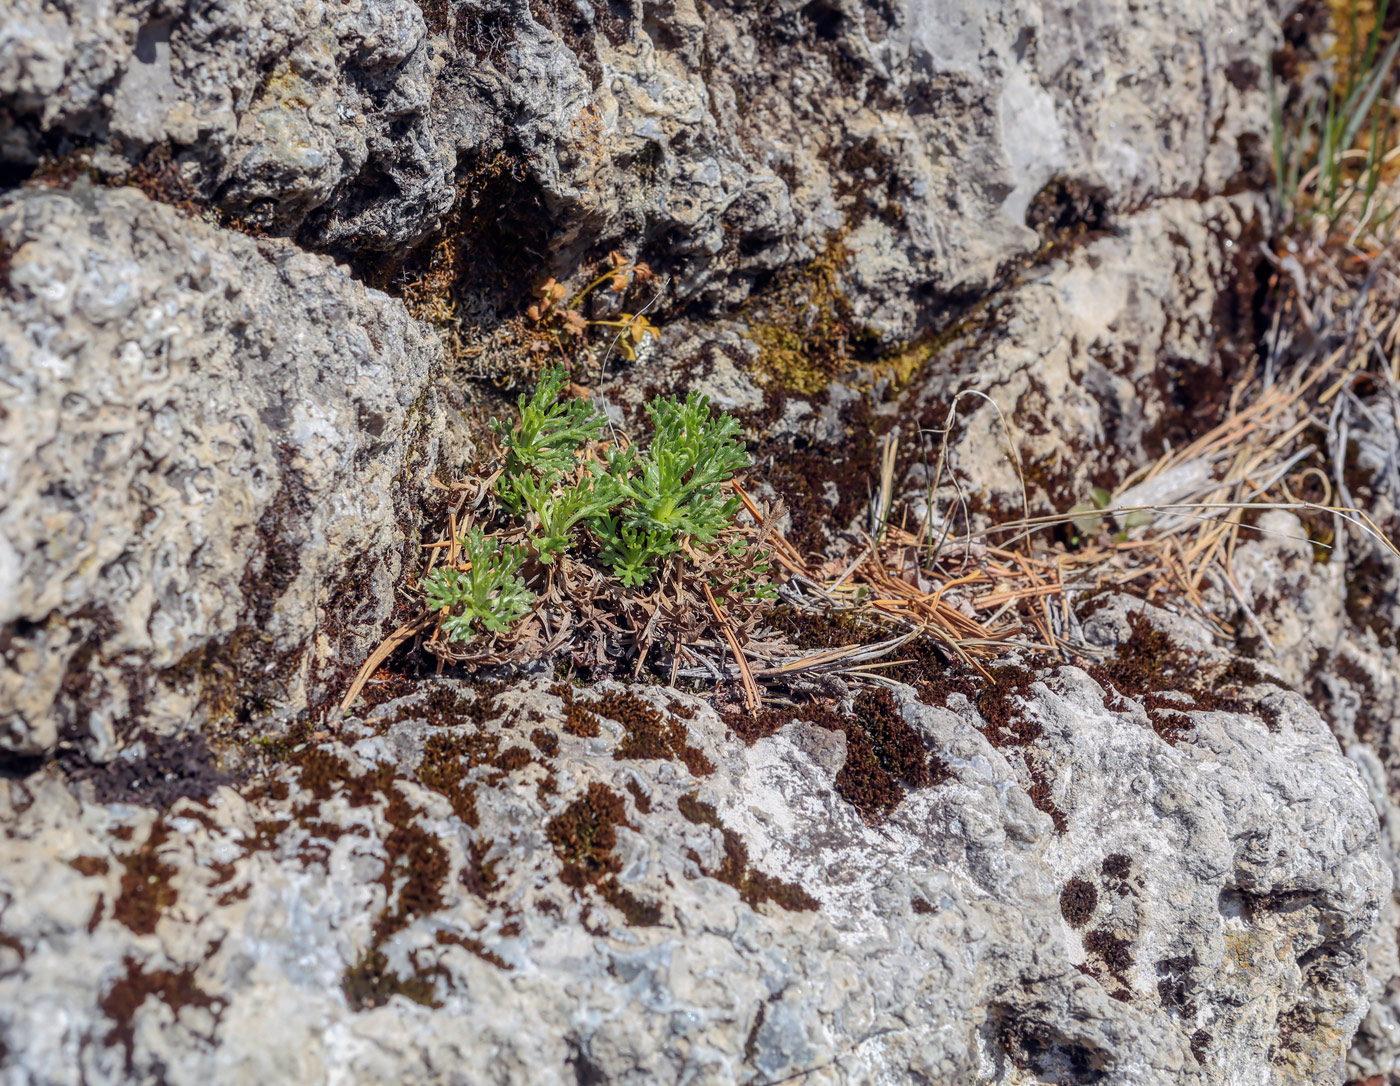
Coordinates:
(674,485)
(630,513)
(550,432)
(559,509)
(489,591)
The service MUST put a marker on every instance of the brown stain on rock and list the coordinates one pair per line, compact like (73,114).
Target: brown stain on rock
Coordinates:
(145,883)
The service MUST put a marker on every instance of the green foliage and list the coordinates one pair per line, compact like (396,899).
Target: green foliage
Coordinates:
(671,491)
(676,484)
(632,553)
(559,510)
(490,592)
(639,510)
(550,432)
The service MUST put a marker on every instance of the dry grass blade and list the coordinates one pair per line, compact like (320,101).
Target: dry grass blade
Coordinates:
(752,701)
(379,655)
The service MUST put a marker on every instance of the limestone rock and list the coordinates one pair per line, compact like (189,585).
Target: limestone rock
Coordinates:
(531,884)
(205,441)
(1047,368)
(725,139)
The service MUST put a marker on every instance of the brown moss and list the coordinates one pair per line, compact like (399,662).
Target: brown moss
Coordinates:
(1294,1026)
(1114,952)
(640,799)
(172,768)
(867,182)
(862,781)
(420,859)
(89,866)
(145,884)
(754,887)
(1042,794)
(369,983)
(802,473)
(161,179)
(1078,900)
(473,946)
(583,836)
(1167,680)
(513,758)
(898,746)
(751,1041)
(446,759)
(1116,869)
(546,742)
(478,873)
(1032,1045)
(649,735)
(1370,600)
(578,720)
(1174,985)
(584,833)
(635,911)
(577,30)
(176,988)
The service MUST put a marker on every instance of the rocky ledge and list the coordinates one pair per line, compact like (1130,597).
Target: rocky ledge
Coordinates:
(262,267)
(525,881)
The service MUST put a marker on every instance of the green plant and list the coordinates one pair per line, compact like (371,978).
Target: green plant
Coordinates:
(489,591)
(1322,164)
(632,553)
(550,432)
(559,509)
(690,454)
(640,508)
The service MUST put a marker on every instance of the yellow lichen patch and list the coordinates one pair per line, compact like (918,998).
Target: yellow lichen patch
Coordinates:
(287,88)
(1352,22)
(902,365)
(803,325)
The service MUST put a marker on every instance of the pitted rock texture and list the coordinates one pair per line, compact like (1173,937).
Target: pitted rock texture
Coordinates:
(1330,629)
(726,139)
(532,884)
(1083,404)
(205,442)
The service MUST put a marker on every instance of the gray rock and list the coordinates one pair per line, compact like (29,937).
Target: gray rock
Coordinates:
(1328,629)
(725,144)
(209,454)
(383,911)
(1045,365)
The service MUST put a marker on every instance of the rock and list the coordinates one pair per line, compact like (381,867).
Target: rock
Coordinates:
(460,884)
(1047,368)
(209,450)
(1328,628)
(921,137)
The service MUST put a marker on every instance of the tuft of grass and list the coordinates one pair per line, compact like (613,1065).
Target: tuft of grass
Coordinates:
(1331,163)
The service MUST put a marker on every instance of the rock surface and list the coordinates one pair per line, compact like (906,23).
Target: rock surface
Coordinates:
(213,443)
(201,437)
(462,888)
(727,144)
